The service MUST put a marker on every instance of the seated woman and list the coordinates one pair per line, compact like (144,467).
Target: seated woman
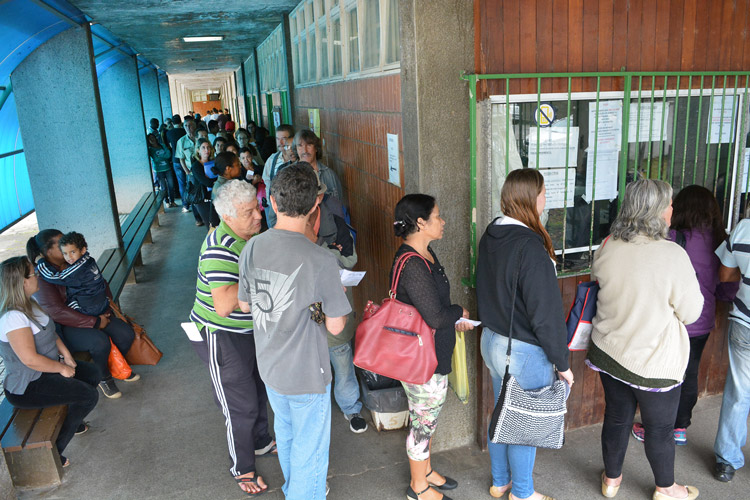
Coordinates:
(40,371)
(79,332)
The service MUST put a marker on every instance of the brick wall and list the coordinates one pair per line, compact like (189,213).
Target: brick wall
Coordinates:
(355,117)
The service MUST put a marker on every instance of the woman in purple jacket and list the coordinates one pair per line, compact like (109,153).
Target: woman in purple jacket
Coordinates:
(698,227)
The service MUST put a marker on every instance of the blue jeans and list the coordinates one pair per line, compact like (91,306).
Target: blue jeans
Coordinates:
(532,369)
(345,387)
(735,405)
(302,424)
(181,180)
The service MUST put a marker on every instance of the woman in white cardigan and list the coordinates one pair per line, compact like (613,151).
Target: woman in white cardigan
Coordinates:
(639,344)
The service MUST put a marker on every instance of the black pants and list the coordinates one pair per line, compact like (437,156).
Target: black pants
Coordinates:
(239,393)
(96,342)
(207,213)
(658,412)
(52,389)
(689,394)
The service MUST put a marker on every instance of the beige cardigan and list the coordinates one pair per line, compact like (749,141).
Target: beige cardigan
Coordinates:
(649,291)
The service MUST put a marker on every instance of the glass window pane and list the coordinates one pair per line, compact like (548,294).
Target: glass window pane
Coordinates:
(312,62)
(302,24)
(323,51)
(393,41)
(353,41)
(371,40)
(336,32)
(303,60)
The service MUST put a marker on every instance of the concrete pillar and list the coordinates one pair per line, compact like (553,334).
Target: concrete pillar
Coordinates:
(437,44)
(150,96)
(164,94)
(7,490)
(69,169)
(128,153)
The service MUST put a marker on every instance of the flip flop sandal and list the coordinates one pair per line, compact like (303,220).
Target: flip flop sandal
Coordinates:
(268,450)
(250,480)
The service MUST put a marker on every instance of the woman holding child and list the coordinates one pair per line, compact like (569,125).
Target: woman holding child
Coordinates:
(79,331)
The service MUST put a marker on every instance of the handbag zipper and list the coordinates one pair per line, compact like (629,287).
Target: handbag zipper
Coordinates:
(404,332)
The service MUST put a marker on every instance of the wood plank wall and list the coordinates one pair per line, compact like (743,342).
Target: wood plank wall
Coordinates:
(554,36)
(586,401)
(355,117)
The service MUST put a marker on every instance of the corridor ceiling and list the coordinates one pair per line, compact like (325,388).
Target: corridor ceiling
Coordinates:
(155,29)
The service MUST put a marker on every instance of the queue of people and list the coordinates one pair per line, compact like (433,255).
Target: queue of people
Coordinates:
(275,326)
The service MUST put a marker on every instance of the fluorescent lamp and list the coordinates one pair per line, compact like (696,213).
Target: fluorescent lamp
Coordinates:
(213,38)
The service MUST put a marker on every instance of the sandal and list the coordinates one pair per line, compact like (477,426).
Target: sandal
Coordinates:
(250,480)
(449,484)
(65,461)
(269,449)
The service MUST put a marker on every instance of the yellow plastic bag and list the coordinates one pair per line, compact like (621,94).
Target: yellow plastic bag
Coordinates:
(458,379)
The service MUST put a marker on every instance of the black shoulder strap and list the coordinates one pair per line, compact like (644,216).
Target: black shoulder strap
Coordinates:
(516,277)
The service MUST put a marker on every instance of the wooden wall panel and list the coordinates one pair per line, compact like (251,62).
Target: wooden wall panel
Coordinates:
(548,36)
(355,117)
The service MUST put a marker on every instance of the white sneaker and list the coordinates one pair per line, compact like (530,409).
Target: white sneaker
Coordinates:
(357,424)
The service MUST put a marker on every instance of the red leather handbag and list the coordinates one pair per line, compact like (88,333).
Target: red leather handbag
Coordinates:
(393,340)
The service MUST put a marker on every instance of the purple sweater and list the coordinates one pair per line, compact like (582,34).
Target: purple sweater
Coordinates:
(699,246)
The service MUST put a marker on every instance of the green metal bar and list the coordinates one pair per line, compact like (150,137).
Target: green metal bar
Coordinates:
(687,122)
(627,82)
(674,130)
(508,111)
(708,134)
(514,76)
(698,133)
(735,106)
(664,110)
(650,128)
(721,130)
(593,177)
(538,126)
(637,163)
(742,156)
(472,279)
(565,192)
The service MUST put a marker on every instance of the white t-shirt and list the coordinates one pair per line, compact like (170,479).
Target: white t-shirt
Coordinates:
(15,320)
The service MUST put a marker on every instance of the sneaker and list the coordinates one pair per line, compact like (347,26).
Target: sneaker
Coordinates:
(133,377)
(185,209)
(199,223)
(357,424)
(172,204)
(639,432)
(680,437)
(166,204)
(109,388)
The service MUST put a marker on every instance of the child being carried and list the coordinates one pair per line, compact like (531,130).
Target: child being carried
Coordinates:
(85,286)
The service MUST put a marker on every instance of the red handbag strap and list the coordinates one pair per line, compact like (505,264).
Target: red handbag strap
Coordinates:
(399,266)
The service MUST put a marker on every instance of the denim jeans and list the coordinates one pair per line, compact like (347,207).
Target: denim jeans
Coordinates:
(181,180)
(532,370)
(345,387)
(302,424)
(735,405)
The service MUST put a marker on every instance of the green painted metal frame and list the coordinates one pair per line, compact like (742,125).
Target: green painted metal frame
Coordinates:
(627,77)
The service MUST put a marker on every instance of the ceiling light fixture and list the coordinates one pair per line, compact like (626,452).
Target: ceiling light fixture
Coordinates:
(212,38)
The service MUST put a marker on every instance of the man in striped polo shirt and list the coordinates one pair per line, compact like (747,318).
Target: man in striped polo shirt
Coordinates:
(229,347)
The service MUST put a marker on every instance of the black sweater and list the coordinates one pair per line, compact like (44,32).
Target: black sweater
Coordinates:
(428,290)
(539,318)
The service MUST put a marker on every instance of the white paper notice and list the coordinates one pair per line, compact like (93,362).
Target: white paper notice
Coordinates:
(722,119)
(351,278)
(554,182)
(552,141)
(466,320)
(650,122)
(745,168)
(609,125)
(192,331)
(394,172)
(606,175)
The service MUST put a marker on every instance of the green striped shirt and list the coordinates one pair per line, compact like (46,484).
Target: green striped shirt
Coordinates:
(218,266)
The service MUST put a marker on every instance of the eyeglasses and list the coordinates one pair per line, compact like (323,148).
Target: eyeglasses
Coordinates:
(35,273)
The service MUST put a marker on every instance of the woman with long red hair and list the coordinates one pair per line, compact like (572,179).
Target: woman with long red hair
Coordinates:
(517,245)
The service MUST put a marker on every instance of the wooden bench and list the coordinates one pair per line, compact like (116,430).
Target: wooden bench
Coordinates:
(27,439)
(117,264)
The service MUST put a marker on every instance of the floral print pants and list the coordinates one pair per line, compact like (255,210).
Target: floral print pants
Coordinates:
(425,402)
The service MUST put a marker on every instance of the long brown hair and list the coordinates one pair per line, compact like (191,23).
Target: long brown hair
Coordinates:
(695,207)
(12,296)
(518,200)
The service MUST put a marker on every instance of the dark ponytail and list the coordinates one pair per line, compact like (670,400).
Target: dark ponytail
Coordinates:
(408,210)
(40,244)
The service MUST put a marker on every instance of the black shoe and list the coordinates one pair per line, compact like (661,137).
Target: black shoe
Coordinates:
(109,388)
(411,495)
(357,424)
(449,484)
(723,472)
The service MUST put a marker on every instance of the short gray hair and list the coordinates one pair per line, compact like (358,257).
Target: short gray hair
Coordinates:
(642,209)
(230,194)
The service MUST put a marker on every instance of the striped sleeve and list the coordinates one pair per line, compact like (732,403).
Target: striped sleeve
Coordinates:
(219,267)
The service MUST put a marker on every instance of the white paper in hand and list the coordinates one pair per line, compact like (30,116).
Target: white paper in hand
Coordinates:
(192,331)
(474,323)
(351,278)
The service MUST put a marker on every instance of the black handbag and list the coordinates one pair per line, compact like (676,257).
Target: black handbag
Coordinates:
(528,417)
(193,192)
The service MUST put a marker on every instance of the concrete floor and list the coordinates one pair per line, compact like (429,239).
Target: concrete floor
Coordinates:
(165,438)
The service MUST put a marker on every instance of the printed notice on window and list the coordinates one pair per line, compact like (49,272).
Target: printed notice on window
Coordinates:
(722,119)
(745,167)
(647,125)
(394,172)
(555,183)
(604,186)
(552,145)
(607,134)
